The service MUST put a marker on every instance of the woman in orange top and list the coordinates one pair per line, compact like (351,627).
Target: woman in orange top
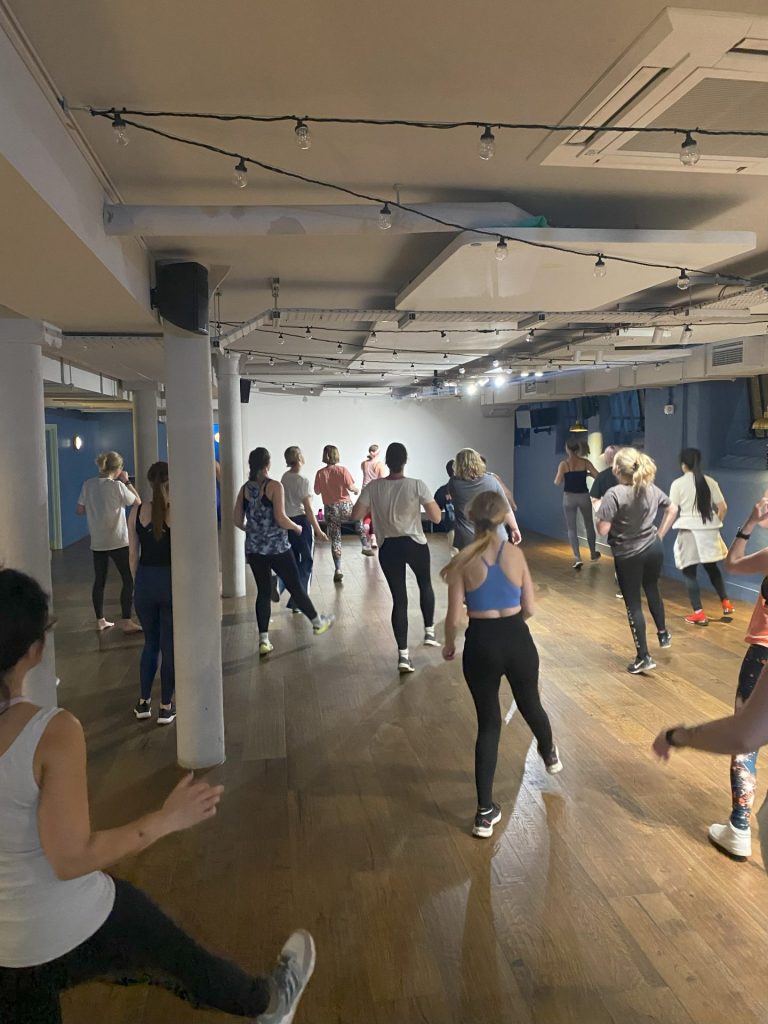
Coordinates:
(335,485)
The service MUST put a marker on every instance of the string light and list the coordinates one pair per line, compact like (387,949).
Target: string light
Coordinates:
(690,154)
(385,217)
(300,360)
(413,366)
(303,134)
(339,348)
(539,373)
(495,363)
(312,367)
(308,332)
(487,145)
(529,337)
(382,376)
(687,332)
(282,387)
(600,268)
(347,372)
(120,129)
(445,355)
(394,354)
(362,364)
(240,174)
(683,282)
(280,339)
(501,250)
(271,361)
(524,373)
(372,338)
(462,370)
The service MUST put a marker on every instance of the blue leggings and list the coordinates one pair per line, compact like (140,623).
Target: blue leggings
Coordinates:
(154,607)
(744,766)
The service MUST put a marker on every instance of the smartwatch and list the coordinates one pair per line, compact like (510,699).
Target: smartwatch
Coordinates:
(743,536)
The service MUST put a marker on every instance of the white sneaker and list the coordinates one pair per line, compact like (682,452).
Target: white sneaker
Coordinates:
(578,563)
(289,979)
(735,842)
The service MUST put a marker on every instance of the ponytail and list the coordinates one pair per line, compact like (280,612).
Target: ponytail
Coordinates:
(157,475)
(691,457)
(487,512)
(632,466)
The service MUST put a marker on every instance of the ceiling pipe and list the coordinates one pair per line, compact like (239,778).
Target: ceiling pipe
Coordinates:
(358,219)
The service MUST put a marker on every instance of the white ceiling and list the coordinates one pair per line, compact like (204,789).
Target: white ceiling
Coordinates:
(428,61)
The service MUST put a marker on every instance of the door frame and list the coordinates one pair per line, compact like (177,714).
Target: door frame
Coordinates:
(55,540)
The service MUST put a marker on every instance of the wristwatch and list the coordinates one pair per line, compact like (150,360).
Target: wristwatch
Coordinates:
(669,736)
(743,536)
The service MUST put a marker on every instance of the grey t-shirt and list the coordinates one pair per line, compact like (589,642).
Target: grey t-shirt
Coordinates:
(396,507)
(463,491)
(632,516)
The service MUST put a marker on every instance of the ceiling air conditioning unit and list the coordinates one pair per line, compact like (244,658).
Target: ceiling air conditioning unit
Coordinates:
(536,388)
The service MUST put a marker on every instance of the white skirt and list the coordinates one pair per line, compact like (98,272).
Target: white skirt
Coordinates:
(697,547)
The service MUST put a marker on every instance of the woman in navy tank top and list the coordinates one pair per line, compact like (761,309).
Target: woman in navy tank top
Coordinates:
(491,576)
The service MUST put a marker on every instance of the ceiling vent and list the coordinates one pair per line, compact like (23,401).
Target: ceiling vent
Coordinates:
(729,353)
(689,68)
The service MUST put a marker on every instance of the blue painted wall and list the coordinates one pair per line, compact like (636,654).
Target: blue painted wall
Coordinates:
(713,416)
(101,432)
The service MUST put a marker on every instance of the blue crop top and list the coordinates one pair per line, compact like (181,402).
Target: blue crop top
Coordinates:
(496,591)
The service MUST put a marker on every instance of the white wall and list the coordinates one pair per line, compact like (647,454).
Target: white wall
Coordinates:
(432,430)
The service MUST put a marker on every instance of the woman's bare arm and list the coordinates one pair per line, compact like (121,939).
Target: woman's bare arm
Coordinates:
(669,517)
(133,540)
(453,616)
(737,561)
(559,475)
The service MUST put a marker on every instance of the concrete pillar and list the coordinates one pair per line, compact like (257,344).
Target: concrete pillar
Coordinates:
(24,542)
(195,566)
(145,444)
(232,473)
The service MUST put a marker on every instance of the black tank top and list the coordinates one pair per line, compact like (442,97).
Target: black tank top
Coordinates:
(153,552)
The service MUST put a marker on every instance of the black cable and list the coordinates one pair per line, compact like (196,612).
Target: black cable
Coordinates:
(296,176)
(428,125)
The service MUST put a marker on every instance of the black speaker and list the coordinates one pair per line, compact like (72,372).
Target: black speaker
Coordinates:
(181,295)
(245,391)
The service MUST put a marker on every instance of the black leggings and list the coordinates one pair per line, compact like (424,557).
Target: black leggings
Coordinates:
(636,574)
(284,566)
(692,584)
(394,554)
(100,564)
(494,648)
(137,944)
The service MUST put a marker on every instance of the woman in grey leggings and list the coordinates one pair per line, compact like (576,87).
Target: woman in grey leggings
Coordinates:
(572,473)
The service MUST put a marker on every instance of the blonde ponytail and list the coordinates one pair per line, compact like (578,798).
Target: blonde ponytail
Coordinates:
(488,511)
(632,466)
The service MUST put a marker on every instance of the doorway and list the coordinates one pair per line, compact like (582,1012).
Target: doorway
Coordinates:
(55,539)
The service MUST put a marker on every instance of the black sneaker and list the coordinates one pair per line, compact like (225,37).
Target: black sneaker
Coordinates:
(641,665)
(595,557)
(143,709)
(404,664)
(552,763)
(665,639)
(166,715)
(485,820)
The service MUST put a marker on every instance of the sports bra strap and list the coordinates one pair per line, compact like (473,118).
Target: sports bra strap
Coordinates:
(501,551)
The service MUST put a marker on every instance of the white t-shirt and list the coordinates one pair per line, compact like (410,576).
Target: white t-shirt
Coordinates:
(683,494)
(296,489)
(105,501)
(396,507)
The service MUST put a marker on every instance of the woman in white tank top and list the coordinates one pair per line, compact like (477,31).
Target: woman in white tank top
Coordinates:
(63,921)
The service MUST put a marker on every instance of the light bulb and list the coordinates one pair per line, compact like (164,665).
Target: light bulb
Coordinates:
(240,174)
(303,135)
(362,364)
(347,372)
(282,387)
(120,128)
(444,336)
(495,363)
(300,360)
(372,338)
(385,217)
(462,371)
(312,367)
(600,268)
(339,348)
(539,373)
(501,250)
(524,373)
(683,282)
(687,332)
(280,339)
(499,382)
(471,389)
(394,355)
(271,361)
(529,337)
(382,376)
(487,145)
(445,355)
(690,154)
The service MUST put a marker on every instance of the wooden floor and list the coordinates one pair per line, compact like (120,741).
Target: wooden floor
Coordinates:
(350,796)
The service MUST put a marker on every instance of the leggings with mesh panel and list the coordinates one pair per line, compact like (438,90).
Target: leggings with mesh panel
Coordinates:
(137,944)
(494,648)
(636,574)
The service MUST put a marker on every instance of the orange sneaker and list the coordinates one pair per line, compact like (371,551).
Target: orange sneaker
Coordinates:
(728,608)
(698,618)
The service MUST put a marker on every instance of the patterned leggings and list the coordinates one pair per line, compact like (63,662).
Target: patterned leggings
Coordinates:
(744,766)
(335,515)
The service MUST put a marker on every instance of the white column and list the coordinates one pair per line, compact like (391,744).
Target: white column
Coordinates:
(145,444)
(24,542)
(195,564)
(232,473)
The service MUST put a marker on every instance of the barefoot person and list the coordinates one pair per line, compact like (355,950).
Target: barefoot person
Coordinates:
(491,575)
(63,921)
(395,503)
(627,517)
(103,500)
(572,473)
(373,469)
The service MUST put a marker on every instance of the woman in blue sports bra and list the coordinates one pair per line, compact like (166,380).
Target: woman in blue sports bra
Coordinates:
(491,576)
(572,473)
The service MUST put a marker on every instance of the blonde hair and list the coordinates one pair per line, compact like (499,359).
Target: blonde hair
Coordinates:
(468,465)
(630,464)
(331,455)
(292,455)
(487,511)
(108,462)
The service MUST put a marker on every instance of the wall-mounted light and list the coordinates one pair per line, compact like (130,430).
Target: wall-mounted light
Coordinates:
(77,442)
(216,437)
